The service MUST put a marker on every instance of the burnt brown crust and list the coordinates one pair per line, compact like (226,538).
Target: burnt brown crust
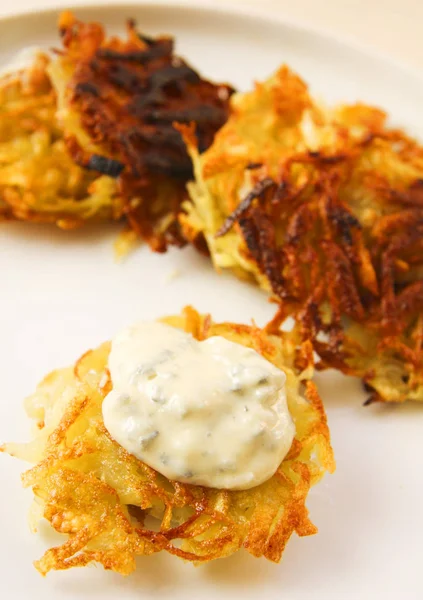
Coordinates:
(127,95)
(324,265)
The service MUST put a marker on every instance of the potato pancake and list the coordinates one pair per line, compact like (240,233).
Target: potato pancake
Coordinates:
(324,209)
(39,181)
(118,100)
(112,507)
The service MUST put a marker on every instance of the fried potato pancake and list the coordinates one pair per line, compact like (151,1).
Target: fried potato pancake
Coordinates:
(118,100)
(106,501)
(324,209)
(39,181)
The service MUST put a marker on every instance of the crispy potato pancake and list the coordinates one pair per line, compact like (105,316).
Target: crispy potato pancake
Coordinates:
(118,100)
(39,181)
(104,499)
(324,209)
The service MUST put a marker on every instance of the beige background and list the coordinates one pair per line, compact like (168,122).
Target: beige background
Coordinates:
(394,27)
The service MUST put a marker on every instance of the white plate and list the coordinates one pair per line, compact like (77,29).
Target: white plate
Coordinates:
(62,293)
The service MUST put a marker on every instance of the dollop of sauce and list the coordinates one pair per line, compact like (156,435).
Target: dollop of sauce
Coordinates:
(211,413)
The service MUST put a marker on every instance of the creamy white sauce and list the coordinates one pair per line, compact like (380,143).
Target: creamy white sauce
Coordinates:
(21,60)
(210,413)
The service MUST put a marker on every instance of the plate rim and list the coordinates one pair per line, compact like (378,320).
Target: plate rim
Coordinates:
(262,13)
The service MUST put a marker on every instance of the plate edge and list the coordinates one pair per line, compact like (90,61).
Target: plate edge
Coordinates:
(232,9)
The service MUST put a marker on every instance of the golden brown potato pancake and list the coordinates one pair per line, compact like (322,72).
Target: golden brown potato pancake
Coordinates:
(39,181)
(324,209)
(103,499)
(118,100)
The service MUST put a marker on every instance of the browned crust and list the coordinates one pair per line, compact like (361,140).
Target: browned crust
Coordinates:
(128,94)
